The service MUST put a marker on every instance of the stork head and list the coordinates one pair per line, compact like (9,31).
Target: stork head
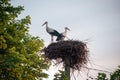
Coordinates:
(45,23)
(66,28)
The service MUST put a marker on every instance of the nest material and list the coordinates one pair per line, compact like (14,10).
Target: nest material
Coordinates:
(75,51)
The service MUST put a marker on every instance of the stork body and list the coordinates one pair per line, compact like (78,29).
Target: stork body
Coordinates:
(64,34)
(51,31)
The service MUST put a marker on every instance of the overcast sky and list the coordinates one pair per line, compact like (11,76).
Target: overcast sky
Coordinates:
(95,20)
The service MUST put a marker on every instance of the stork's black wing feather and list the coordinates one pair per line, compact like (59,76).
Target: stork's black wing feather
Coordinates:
(59,37)
(55,33)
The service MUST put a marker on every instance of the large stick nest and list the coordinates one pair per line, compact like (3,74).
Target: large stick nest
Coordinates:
(75,51)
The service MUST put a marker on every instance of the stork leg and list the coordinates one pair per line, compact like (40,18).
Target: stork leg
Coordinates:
(51,38)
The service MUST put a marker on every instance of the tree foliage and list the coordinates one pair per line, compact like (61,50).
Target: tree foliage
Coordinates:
(61,75)
(18,49)
(116,74)
(113,76)
(102,76)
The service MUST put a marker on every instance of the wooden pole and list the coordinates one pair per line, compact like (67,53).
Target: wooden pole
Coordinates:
(67,67)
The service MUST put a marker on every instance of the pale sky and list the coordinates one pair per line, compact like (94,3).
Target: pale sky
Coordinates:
(95,20)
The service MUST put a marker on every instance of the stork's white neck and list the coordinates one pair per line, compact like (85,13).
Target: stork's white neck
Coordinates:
(65,33)
(48,29)
(46,25)
(65,30)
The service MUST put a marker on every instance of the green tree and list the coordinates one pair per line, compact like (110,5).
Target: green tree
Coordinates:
(116,74)
(18,49)
(61,75)
(102,76)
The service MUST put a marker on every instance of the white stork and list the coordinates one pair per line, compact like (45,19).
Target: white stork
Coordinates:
(64,34)
(52,32)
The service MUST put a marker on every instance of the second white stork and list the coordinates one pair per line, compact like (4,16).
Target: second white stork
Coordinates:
(51,31)
(64,34)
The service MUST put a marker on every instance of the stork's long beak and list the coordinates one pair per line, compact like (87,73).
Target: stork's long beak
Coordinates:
(43,24)
(69,29)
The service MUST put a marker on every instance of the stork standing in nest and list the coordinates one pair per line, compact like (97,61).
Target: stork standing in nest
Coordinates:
(52,32)
(64,34)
